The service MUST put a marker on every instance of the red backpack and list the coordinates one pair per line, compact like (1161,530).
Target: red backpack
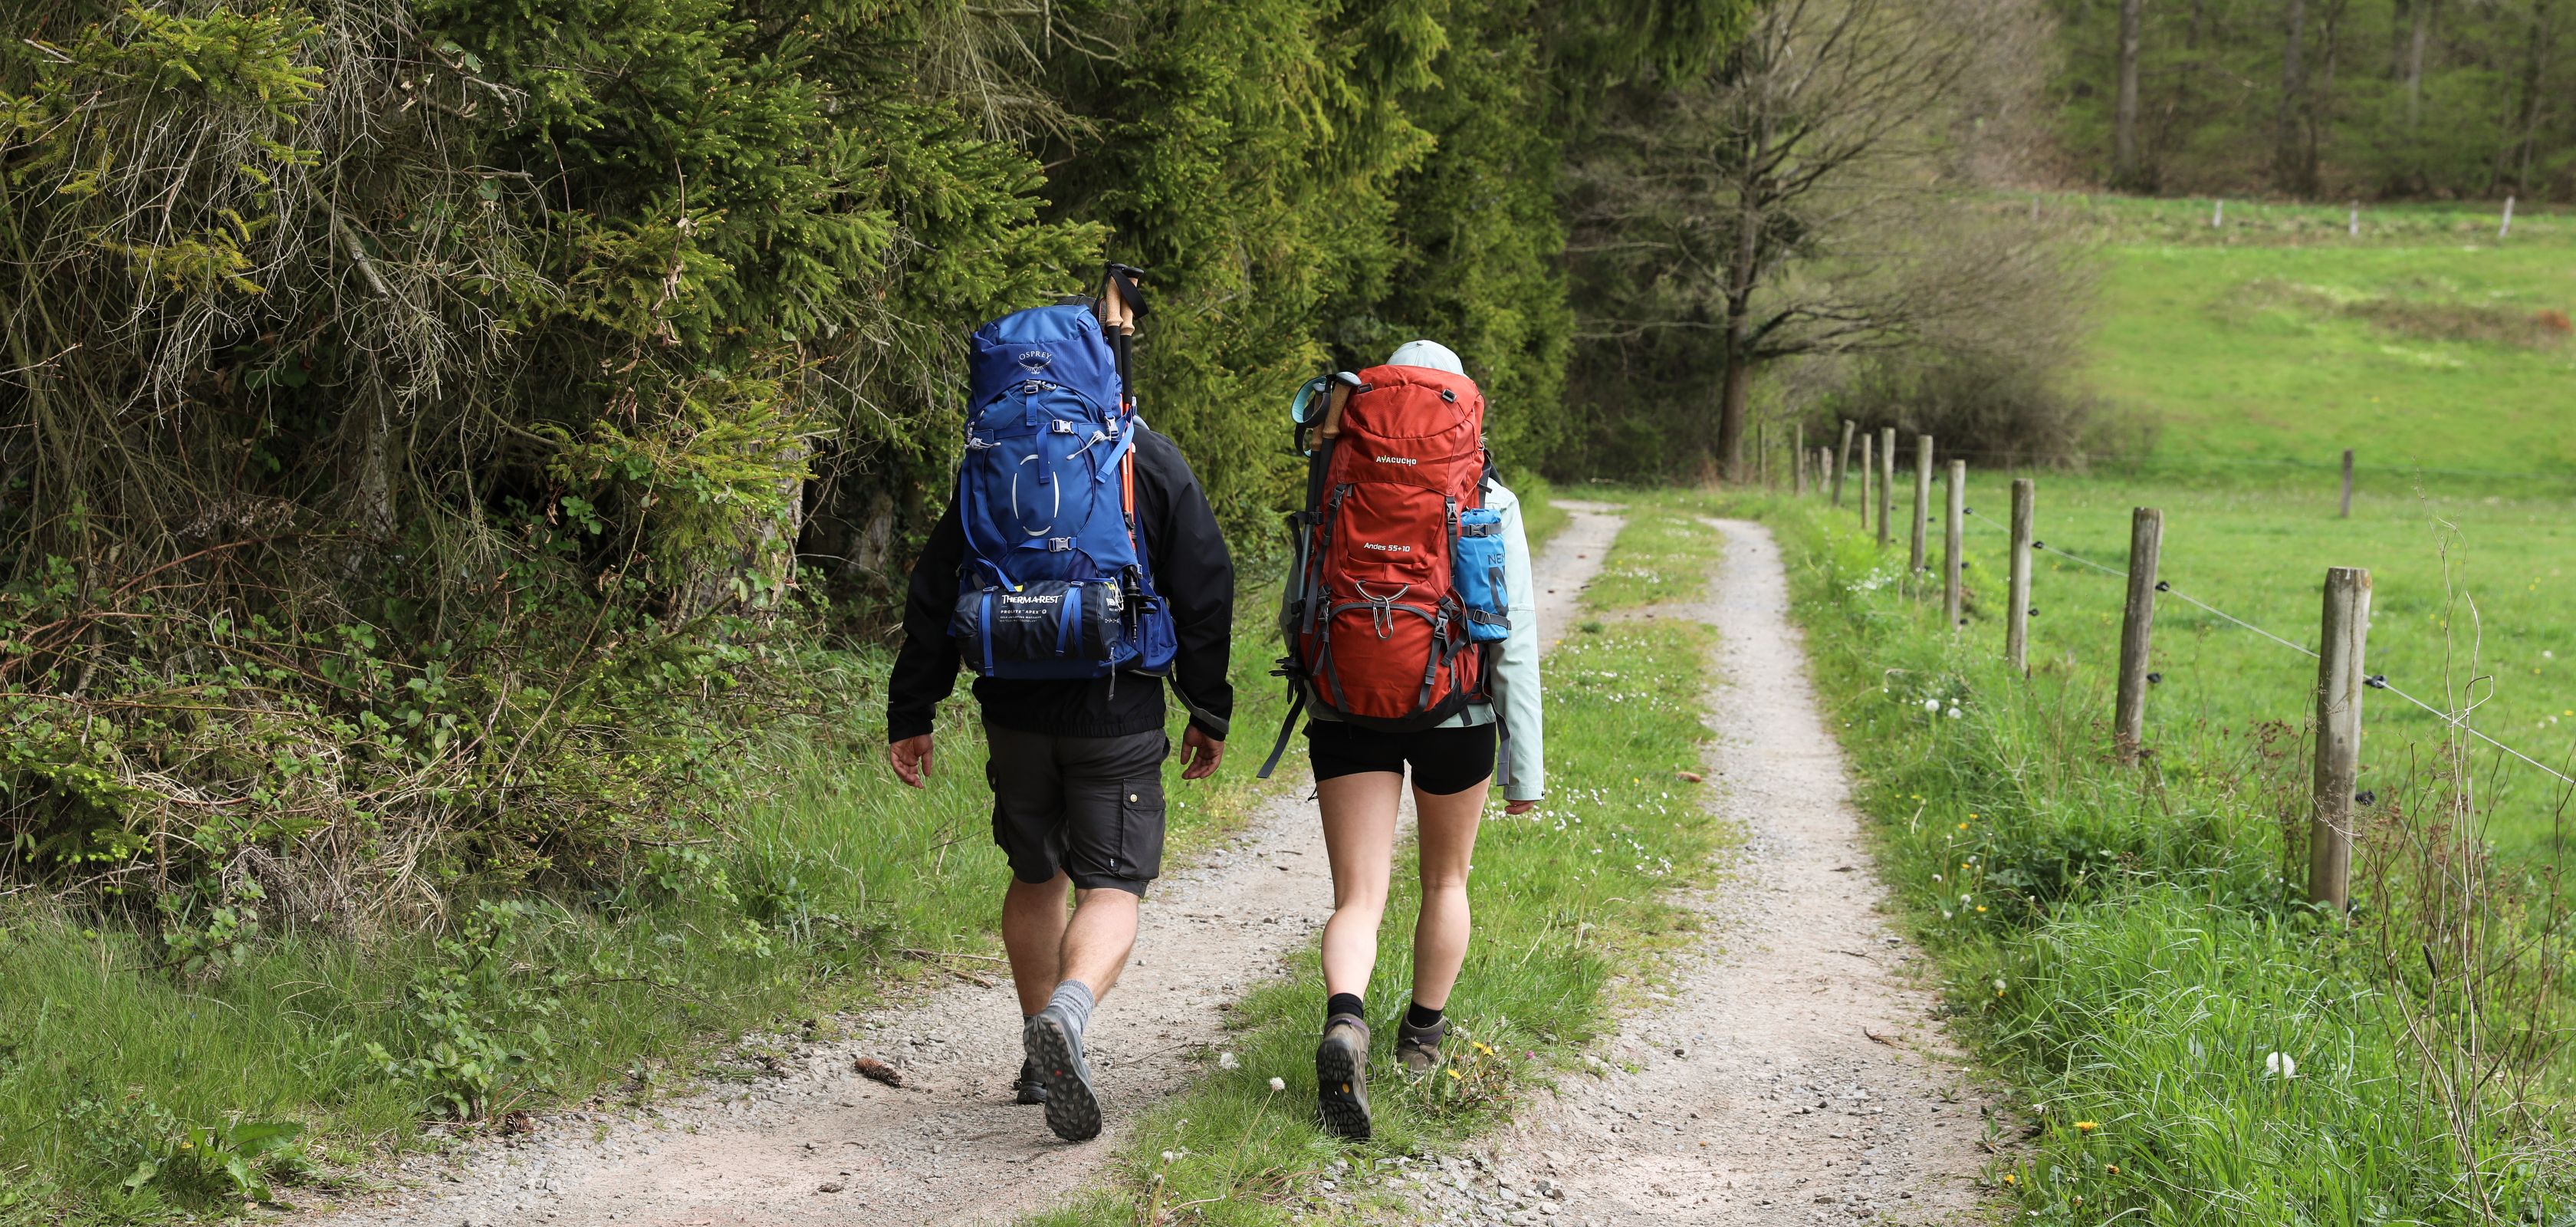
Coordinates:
(1379,632)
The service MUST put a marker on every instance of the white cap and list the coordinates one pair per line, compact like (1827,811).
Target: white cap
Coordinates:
(1430,355)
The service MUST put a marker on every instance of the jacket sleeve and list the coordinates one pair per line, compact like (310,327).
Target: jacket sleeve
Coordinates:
(925,669)
(1516,676)
(1195,576)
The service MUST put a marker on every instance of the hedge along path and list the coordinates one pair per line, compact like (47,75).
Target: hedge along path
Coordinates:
(1789,1069)
(823,1144)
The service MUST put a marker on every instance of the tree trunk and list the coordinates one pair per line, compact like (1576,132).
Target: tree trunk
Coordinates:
(2124,156)
(763,567)
(2288,166)
(2534,76)
(1735,393)
(2423,33)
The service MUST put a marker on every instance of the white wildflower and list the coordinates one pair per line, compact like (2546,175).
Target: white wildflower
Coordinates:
(2281,1065)
(1955,713)
(1225,1060)
(1931,704)
(1278,1084)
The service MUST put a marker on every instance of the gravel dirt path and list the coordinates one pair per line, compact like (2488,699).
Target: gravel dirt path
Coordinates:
(821,1144)
(1788,1071)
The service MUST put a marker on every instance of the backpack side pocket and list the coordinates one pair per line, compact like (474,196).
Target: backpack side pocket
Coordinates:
(1479,575)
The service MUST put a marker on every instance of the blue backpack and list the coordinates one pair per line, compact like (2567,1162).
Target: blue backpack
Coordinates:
(1055,583)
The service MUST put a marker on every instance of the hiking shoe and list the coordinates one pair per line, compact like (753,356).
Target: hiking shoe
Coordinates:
(1055,1048)
(1341,1076)
(1417,1049)
(1032,1088)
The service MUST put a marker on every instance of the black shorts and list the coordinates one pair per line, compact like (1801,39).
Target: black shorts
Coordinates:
(1090,807)
(1445,761)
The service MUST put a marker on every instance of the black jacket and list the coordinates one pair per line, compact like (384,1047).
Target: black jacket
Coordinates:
(1193,573)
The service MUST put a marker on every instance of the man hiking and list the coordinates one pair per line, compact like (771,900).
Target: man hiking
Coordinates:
(1413,640)
(1078,564)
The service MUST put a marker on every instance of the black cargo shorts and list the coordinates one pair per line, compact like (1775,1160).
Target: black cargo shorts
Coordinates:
(1091,807)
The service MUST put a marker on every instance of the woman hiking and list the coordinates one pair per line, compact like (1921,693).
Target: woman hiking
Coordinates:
(1412,636)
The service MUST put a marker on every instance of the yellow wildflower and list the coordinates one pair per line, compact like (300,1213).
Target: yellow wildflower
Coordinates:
(2087,1126)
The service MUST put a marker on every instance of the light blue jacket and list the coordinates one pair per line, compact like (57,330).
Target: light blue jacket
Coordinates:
(1515,680)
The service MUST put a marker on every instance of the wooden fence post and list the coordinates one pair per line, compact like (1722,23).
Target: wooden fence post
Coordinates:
(2017,626)
(2347,483)
(2507,227)
(1762,454)
(1868,480)
(1798,460)
(2129,711)
(1922,499)
(1842,462)
(1953,556)
(1886,485)
(2343,635)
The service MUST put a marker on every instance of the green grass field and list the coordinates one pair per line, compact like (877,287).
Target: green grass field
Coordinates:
(2472,600)
(2266,348)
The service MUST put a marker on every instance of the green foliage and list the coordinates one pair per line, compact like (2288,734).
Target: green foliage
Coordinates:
(2399,98)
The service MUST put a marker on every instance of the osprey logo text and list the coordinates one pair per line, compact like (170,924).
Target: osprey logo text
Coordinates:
(1391,549)
(1397,460)
(1035,359)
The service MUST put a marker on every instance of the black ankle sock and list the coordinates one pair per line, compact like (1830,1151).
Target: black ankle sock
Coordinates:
(1344,1003)
(1419,1016)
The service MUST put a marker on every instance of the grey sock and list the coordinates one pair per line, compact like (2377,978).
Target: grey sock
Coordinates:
(1073,997)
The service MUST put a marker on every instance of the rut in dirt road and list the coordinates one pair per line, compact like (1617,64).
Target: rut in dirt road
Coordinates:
(1789,1070)
(824,1145)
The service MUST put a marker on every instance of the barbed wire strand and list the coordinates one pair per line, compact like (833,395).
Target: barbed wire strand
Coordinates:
(2375,681)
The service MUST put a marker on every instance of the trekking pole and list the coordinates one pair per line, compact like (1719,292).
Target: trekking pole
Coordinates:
(1120,304)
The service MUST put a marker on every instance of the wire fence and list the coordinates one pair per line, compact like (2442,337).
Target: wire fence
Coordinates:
(2376,681)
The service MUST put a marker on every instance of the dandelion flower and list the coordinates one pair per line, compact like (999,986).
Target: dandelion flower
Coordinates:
(1955,713)
(1169,1156)
(1963,826)
(2087,1126)
(2281,1065)
(1981,907)
(1225,1060)
(2009,1179)
(2113,1169)
(1459,1076)
(1278,1084)
(1931,704)
(1999,984)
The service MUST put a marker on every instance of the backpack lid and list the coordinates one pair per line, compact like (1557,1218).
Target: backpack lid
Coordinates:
(1060,344)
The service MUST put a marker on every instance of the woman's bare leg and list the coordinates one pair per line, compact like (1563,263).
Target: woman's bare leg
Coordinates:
(1359,838)
(1448,841)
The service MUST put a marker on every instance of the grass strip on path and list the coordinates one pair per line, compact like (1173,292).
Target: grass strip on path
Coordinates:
(1565,898)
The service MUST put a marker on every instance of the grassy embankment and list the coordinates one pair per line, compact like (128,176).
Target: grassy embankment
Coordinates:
(2122,943)
(1566,898)
(838,889)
